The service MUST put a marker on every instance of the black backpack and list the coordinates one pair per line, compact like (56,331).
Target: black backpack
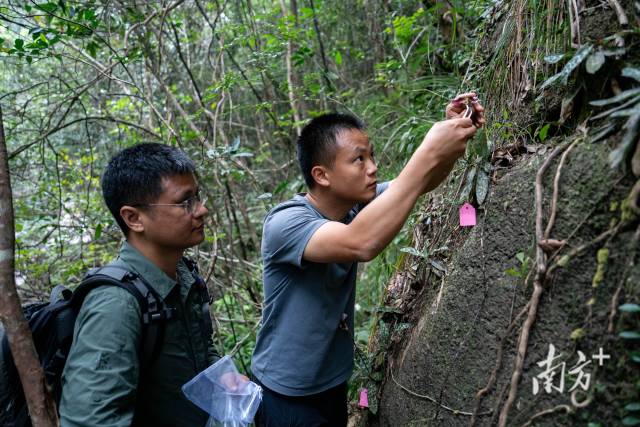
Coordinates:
(52,324)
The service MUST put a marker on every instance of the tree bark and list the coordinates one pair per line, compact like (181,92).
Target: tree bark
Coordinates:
(290,77)
(42,408)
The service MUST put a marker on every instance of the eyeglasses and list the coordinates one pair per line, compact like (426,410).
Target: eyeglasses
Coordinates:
(190,205)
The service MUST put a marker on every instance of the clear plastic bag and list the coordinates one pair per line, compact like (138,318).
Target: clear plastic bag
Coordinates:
(228,397)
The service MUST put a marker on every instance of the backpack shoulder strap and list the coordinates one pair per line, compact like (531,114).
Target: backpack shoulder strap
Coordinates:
(205,319)
(154,312)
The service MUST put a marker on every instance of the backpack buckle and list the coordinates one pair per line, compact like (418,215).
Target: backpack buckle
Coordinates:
(155,316)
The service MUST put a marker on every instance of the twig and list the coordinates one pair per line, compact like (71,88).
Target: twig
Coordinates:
(609,233)
(568,409)
(431,399)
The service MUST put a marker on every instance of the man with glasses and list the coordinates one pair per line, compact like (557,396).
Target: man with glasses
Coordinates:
(153,195)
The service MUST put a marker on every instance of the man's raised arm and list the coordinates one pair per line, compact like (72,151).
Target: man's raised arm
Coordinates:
(379,222)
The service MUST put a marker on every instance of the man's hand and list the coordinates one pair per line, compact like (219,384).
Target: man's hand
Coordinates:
(445,142)
(233,382)
(458,108)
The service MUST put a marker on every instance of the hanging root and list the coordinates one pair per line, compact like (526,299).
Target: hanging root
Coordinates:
(622,17)
(494,374)
(566,408)
(541,270)
(556,189)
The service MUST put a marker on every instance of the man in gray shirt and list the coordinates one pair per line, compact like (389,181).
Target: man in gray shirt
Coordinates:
(311,245)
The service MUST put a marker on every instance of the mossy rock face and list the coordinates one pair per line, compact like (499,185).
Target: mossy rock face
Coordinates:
(450,353)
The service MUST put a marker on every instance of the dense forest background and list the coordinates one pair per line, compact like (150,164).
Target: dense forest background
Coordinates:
(231,82)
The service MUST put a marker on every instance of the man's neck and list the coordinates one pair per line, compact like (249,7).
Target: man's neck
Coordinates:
(331,207)
(164,260)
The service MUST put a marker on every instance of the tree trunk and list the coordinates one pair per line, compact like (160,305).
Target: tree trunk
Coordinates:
(42,408)
(290,76)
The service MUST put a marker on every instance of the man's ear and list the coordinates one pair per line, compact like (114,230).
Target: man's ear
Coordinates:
(320,175)
(133,218)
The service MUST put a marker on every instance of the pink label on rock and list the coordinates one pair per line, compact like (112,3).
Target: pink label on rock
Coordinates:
(364,398)
(467,215)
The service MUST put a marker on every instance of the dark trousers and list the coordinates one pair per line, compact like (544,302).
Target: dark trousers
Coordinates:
(326,409)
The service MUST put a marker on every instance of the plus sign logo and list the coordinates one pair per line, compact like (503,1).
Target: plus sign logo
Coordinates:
(600,357)
(554,370)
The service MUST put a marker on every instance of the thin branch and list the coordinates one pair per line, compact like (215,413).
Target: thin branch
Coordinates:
(72,122)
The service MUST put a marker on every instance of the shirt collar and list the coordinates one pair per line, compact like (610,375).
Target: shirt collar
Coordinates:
(153,275)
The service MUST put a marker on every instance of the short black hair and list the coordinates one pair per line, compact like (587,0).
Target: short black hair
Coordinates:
(317,141)
(134,176)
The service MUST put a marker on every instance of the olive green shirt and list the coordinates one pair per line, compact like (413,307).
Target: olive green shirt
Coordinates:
(101,382)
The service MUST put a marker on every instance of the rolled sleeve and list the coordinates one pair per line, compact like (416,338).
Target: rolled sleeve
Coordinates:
(101,374)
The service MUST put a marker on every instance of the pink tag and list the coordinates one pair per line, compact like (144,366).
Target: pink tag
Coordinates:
(364,398)
(467,215)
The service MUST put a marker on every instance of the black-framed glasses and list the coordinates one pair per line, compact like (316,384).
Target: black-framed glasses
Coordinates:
(190,205)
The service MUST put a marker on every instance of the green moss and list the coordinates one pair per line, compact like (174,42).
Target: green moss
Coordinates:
(627,213)
(602,257)
(613,206)
(577,334)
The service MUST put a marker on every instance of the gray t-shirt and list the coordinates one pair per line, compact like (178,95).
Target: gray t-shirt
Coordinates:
(305,344)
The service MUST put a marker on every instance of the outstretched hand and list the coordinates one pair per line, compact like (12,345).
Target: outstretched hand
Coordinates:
(465,104)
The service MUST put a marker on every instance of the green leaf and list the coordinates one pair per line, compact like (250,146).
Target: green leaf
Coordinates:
(98,232)
(513,272)
(633,73)
(18,44)
(630,421)
(281,187)
(482,186)
(595,62)
(554,59)
(614,52)
(338,58)
(468,185)
(623,150)
(629,335)
(604,132)
(630,308)
(47,7)
(520,257)
(563,76)
(627,112)
(92,48)
(635,356)
(635,406)
(412,251)
(542,135)
(619,97)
